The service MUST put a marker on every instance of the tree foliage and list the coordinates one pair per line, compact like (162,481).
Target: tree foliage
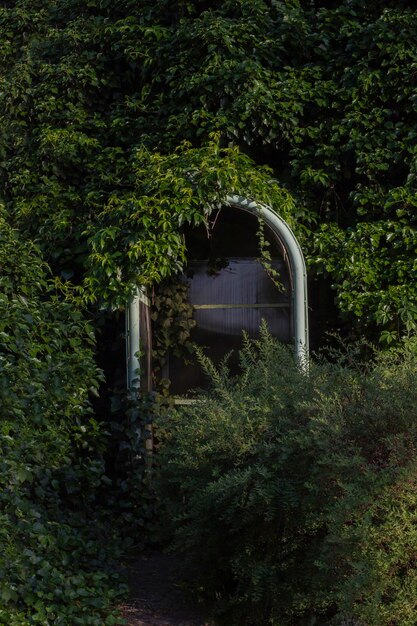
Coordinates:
(322,92)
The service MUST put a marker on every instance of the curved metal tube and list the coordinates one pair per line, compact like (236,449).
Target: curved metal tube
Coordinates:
(297,267)
(299,303)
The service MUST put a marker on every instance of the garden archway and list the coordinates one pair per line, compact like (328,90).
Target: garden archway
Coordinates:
(137,326)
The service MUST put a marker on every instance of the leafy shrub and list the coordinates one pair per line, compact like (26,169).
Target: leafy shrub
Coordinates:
(129,495)
(295,495)
(52,548)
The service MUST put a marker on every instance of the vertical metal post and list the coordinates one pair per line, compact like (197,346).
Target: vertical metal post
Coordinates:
(133,342)
(133,345)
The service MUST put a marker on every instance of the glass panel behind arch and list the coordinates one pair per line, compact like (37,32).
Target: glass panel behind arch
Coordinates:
(230,293)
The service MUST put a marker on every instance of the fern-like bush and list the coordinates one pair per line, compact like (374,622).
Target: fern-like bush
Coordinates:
(54,552)
(294,495)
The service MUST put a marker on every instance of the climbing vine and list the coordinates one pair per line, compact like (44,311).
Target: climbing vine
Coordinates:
(266,257)
(97,100)
(173,321)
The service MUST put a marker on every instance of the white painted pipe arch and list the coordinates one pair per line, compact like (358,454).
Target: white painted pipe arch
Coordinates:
(299,304)
(299,301)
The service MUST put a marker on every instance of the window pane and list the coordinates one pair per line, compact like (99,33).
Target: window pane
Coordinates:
(231,292)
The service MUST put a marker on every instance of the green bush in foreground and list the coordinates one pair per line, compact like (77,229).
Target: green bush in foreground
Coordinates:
(295,495)
(52,547)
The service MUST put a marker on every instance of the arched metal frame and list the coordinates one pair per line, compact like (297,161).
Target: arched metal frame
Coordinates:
(299,296)
(299,303)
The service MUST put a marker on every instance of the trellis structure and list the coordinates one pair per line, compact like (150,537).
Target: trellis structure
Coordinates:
(293,256)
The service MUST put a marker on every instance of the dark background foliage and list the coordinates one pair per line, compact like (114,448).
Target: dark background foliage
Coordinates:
(321,92)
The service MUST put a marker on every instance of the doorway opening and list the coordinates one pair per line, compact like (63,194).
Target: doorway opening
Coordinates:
(230,291)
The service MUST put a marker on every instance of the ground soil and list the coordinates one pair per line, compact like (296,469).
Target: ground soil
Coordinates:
(159,594)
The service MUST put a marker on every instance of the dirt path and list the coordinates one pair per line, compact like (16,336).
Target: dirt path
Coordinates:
(158,596)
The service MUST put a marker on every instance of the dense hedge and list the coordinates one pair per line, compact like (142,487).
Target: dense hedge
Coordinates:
(294,495)
(55,556)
